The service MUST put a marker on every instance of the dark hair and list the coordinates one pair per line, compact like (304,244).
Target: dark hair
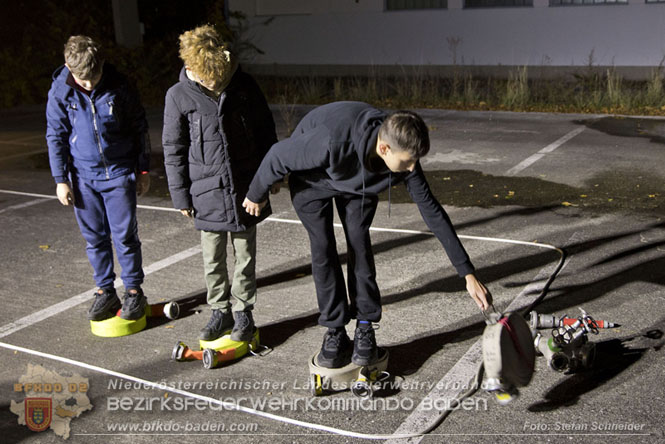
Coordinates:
(83,57)
(406,131)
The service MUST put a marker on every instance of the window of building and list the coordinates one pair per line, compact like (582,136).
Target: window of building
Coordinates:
(590,2)
(283,7)
(496,3)
(401,5)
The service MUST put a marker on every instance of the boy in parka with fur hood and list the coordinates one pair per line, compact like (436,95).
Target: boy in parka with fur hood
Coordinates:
(217,129)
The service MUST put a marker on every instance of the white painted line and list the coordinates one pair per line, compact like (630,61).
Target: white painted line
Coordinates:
(53,310)
(150,207)
(24,138)
(298,222)
(23,154)
(224,404)
(172,260)
(457,381)
(418,422)
(21,193)
(461,369)
(461,377)
(6,142)
(47,196)
(548,149)
(23,205)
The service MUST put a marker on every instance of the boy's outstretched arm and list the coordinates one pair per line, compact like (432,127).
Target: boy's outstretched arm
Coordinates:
(441,226)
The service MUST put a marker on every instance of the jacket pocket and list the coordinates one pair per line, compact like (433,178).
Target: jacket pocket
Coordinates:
(196,137)
(209,199)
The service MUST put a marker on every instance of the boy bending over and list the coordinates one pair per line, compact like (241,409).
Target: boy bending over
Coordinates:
(348,153)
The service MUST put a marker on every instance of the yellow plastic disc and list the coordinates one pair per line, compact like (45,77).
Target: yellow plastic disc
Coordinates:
(226,342)
(116,326)
(503,398)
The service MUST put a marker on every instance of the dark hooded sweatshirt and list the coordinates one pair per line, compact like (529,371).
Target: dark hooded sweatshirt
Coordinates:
(328,150)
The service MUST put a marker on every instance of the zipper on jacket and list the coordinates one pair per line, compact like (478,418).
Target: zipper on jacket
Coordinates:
(99,142)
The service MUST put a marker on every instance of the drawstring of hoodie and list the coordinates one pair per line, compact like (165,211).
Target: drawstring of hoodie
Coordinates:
(362,198)
(390,186)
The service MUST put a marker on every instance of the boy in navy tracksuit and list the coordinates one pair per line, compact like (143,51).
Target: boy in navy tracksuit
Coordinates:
(347,153)
(97,139)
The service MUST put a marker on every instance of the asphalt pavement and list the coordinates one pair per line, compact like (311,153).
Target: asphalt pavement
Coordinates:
(518,186)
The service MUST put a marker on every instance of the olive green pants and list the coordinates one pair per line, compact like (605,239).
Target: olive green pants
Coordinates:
(243,288)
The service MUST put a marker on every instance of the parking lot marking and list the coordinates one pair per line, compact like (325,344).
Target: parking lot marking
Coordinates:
(53,310)
(23,153)
(24,204)
(228,405)
(410,430)
(24,138)
(540,154)
(467,366)
(21,193)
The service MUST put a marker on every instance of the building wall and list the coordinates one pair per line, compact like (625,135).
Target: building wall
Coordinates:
(349,35)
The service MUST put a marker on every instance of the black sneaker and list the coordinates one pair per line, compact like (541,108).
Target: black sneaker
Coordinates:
(105,305)
(336,349)
(133,304)
(364,345)
(243,330)
(218,324)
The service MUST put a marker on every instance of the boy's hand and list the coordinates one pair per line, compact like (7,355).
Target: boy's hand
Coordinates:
(253,208)
(481,296)
(142,184)
(274,188)
(189,212)
(64,193)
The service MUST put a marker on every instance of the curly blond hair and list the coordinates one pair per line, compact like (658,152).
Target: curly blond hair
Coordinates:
(205,52)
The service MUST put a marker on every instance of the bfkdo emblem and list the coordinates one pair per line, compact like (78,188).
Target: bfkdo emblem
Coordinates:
(38,413)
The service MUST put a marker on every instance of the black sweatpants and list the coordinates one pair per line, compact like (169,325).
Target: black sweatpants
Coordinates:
(315,209)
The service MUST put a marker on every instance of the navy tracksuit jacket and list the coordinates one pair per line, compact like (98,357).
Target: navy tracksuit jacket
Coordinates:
(99,141)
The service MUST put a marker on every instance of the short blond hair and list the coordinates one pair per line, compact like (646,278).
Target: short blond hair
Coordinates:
(83,57)
(205,52)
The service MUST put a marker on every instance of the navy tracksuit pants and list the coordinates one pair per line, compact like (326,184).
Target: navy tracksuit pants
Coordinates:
(315,209)
(106,212)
